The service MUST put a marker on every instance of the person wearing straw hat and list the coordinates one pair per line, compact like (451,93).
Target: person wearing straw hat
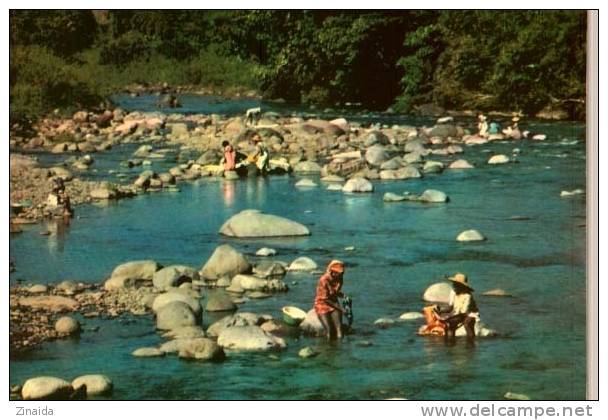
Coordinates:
(482,125)
(327,306)
(462,309)
(513,130)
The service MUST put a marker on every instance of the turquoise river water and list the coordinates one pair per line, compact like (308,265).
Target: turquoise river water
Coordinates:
(400,249)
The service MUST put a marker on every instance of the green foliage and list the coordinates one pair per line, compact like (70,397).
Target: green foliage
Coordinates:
(40,81)
(508,60)
(64,32)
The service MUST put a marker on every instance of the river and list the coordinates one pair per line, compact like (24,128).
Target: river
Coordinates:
(400,249)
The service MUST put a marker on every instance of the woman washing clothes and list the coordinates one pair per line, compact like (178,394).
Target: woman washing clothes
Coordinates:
(326,305)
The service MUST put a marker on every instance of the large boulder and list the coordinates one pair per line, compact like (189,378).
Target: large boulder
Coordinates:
(438,293)
(269,269)
(96,384)
(240,319)
(307,167)
(253,223)
(406,172)
(176,296)
(46,388)
(144,269)
(311,324)
(376,155)
(173,276)
(444,130)
(470,235)
(219,301)
(225,261)
(249,338)
(175,315)
(432,166)
(358,185)
(394,163)
(434,196)
(123,282)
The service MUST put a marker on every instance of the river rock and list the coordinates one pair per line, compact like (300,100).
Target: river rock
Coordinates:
(306,183)
(342,124)
(67,325)
(444,130)
(59,148)
(410,316)
(96,384)
(253,223)
(247,283)
(394,163)
(311,324)
(432,166)
(434,196)
(308,352)
(302,264)
(123,282)
(332,178)
(50,303)
(38,288)
(470,235)
(358,185)
(148,352)
(143,269)
(195,331)
(173,276)
(515,396)
(266,252)
(143,151)
(307,167)
(46,388)
(406,172)
(415,145)
(240,319)
(498,159)
(103,193)
(375,138)
(62,173)
(460,164)
(438,293)
(219,301)
(225,261)
(176,296)
(249,338)
(334,187)
(578,191)
(376,155)
(174,315)
(384,322)
(200,349)
(166,178)
(413,157)
(390,197)
(269,269)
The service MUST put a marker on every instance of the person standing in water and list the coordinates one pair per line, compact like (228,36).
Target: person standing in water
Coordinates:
(326,305)
(229,156)
(462,310)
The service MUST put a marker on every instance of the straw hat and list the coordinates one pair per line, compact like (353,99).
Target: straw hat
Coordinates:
(336,266)
(481,117)
(515,118)
(461,279)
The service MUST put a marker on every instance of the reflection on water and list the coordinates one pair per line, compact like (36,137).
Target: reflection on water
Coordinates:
(57,230)
(398,250)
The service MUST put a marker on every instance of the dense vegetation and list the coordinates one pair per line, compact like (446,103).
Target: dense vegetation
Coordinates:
(507,60)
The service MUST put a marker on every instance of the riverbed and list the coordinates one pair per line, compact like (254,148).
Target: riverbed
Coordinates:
(399,249)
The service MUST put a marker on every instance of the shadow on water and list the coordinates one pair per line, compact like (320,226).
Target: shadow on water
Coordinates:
(523,262)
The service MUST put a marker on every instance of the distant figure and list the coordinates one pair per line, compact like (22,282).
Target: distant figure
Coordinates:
(59,198)
(513,130)
(482,126)
(260,157)
(327,306)
(462,310)
(494,128)
(252,116)
(229,156)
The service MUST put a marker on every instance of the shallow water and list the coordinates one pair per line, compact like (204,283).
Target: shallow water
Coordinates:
(400,248)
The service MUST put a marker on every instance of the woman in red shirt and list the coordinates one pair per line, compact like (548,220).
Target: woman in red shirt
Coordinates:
(326,305)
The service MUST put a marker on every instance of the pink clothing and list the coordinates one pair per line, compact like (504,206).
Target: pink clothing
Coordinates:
(230,158)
